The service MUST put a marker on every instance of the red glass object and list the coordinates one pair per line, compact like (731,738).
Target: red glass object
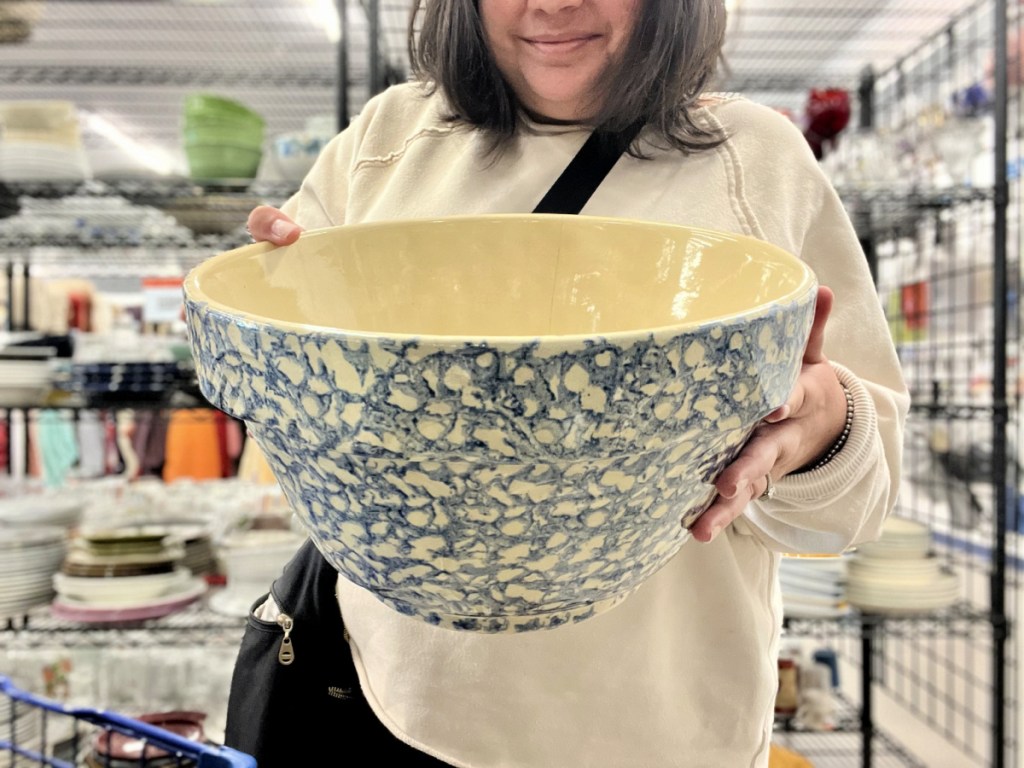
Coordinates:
(827,114)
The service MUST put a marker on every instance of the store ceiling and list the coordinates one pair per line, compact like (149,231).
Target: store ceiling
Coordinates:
(132,62)
(778,49)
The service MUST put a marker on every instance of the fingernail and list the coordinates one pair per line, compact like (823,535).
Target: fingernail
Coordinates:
(731,492)
(282,229)
(714,533)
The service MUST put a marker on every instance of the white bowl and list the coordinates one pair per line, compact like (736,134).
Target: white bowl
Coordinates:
(41,509)
(120,589)
(294,153)
(257,556)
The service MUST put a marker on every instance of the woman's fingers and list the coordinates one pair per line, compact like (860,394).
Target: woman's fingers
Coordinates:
(755,460)
(722,512)
(268,224)
(814,352)
(746,478)
(739,483)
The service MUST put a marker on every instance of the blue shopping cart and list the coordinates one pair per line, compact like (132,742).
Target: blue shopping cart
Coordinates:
(79,724)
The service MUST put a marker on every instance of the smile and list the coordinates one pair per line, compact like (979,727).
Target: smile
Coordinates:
(560,45)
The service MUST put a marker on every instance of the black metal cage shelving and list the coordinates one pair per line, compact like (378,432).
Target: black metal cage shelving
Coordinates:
(945,244)
(946,257)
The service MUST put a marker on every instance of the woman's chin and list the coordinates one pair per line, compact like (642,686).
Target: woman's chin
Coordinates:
(553,108)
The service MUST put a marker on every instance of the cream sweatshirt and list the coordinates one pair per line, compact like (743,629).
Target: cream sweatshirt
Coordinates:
(683,672)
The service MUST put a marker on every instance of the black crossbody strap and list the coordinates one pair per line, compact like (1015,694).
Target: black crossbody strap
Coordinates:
(587,170)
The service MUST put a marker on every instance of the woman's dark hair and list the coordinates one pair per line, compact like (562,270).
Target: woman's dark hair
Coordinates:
(667,63)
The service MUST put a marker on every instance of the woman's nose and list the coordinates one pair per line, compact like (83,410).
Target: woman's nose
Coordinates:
(554,6)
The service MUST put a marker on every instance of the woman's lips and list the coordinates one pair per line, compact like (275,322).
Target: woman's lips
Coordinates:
(560,45)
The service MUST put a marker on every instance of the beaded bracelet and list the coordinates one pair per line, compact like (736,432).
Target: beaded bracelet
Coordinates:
(841,440)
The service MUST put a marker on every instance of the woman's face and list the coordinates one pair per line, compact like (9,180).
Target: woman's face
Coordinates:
(552,51)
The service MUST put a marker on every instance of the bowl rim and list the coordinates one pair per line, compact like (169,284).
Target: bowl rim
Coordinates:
(194,295)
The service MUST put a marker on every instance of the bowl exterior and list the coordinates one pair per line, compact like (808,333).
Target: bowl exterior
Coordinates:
(295,153)
(238,136)
(201,105)
(503,485)
(222,161)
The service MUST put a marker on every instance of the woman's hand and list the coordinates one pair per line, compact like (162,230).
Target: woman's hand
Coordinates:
(789,438)
(267,224)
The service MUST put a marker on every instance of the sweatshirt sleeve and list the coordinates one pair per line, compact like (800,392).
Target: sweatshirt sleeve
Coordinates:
(311,206)
(845,502)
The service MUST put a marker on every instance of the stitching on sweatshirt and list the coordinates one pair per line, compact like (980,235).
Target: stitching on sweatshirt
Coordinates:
(734,173)
(393,157)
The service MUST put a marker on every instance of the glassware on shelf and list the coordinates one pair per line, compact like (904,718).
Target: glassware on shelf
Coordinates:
(956,143)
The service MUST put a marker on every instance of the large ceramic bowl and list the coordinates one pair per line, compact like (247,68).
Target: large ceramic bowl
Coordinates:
(500,423)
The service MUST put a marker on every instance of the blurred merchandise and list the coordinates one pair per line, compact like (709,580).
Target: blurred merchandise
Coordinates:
(252,559)
(223,138)
(28,365)
(112,748)
(41,140)
(124,575)
(212,214)
(813,587)
(781,757)
(827,113)
(30,555)
(201,444)
(293,153)
(787,697)
(898,575)
(18,19)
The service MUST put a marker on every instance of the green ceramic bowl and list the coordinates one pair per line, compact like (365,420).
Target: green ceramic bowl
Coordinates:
(222,161)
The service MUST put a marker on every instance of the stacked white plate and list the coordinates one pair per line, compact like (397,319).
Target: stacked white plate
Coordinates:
(91,215)
(813,586)
(897,575)
(29,557)
(24,382)
(120,590)
(901,539)
(124,575)
(42,509)
(40,161)
(195,538)
(251,561)
(124,599)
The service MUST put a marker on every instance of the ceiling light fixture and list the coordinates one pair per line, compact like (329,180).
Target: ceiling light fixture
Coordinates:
(325,14)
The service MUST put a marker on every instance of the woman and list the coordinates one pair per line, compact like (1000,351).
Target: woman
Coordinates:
(683,672)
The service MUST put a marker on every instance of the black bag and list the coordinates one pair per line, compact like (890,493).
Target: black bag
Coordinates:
(295,694)
(295,697)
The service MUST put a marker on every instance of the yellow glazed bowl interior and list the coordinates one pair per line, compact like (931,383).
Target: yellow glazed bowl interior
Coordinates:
(498,276)
(499,423)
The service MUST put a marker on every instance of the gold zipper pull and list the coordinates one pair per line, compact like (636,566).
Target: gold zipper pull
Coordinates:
(286,654)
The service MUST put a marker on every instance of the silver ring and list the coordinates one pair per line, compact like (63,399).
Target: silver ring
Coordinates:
(769,489)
